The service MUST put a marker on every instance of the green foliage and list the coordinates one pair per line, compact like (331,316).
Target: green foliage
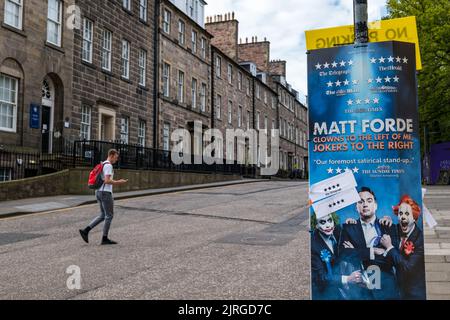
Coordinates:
(433,22)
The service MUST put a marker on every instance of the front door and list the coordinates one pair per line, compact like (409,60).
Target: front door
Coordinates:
(46,138)
(106,127)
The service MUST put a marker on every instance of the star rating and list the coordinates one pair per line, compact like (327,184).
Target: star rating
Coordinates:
(396,79)
(318,66)
(334,64)
(346,82)
(382,59)
(343,63)
(370,80)
(326,65)
(330,84)
(338,170)
(338,83)
(359,101)
(387,79)
(350,63)
(391,59)
(355,170)
(347,170)
(379,80)
(376,101)
(398,60)
(330,171)
(405,60)
(373,60)
(367,101)
(350,102)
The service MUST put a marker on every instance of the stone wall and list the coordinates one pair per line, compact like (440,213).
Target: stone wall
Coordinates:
(74,182)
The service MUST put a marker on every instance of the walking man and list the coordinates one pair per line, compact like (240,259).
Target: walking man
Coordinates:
(105,199)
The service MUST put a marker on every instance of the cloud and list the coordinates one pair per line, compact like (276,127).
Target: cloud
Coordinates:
(284,23)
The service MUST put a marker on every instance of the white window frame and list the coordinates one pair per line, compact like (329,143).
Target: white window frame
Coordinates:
(219,106)
(11,104)
(230,112)
(203,97)
(194,87)
(166,79)
(194,41)
(240,80)
(258,117)
(142,132)
(203,47)
(239,117)
(127,4)
(86,122)
(18,5)
(125,59)
(219,67)
(125,130)
(181,32)
(107,38)
(230,73)
(166,136)
(143,6)
(142,67)
(58,22)
(180,82)
(258,92)
(88,34)
(167,21)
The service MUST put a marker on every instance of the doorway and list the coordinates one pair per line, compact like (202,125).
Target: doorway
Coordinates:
(48,102)
(107,122)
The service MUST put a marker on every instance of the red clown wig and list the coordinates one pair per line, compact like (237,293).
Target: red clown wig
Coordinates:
(408,200)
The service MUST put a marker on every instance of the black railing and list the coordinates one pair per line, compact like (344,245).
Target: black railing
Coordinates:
(133,157)
(15,164)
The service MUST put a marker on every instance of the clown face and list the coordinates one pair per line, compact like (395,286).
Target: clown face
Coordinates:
(406,218)
(326,225)
(367,206)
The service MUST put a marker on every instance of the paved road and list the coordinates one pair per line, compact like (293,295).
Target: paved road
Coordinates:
(235,242)
(437,244)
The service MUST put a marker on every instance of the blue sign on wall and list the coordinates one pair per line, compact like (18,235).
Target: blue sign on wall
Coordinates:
(35,116)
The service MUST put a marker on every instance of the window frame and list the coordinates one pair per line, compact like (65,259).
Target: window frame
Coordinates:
(107,51)
(125,123)
(142,133)
(57,23)
(20,5)
(181,32)
(125,60)
(89,41)
(142,64)
(180,85)
(167,23)
(86,135)
(143,10)
(194,91)
(166,79)
(14,105)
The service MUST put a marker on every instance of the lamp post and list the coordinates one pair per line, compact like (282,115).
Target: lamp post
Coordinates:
(360,16)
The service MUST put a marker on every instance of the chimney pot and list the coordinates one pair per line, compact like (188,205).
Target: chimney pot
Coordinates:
(232,15)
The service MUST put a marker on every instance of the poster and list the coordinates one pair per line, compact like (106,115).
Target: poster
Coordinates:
(364,126)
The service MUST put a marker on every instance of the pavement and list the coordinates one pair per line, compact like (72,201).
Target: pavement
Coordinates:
(42,204)
(437,244)
(239,240)
(242,241)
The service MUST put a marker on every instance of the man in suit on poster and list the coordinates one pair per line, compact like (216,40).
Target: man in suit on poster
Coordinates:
(362,242)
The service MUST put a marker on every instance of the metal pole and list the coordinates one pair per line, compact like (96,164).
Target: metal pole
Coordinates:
(360,20)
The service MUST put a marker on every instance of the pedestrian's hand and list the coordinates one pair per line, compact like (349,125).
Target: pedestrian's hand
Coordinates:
(123,181)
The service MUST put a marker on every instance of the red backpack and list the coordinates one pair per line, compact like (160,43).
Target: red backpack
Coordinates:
(96,181)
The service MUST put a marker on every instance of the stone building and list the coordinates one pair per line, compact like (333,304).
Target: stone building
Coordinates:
(113,72)
(184,70)
(36,58)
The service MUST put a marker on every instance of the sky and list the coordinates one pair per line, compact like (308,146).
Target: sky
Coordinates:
(284,22)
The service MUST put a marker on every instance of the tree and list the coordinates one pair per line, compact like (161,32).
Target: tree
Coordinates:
(433,23)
